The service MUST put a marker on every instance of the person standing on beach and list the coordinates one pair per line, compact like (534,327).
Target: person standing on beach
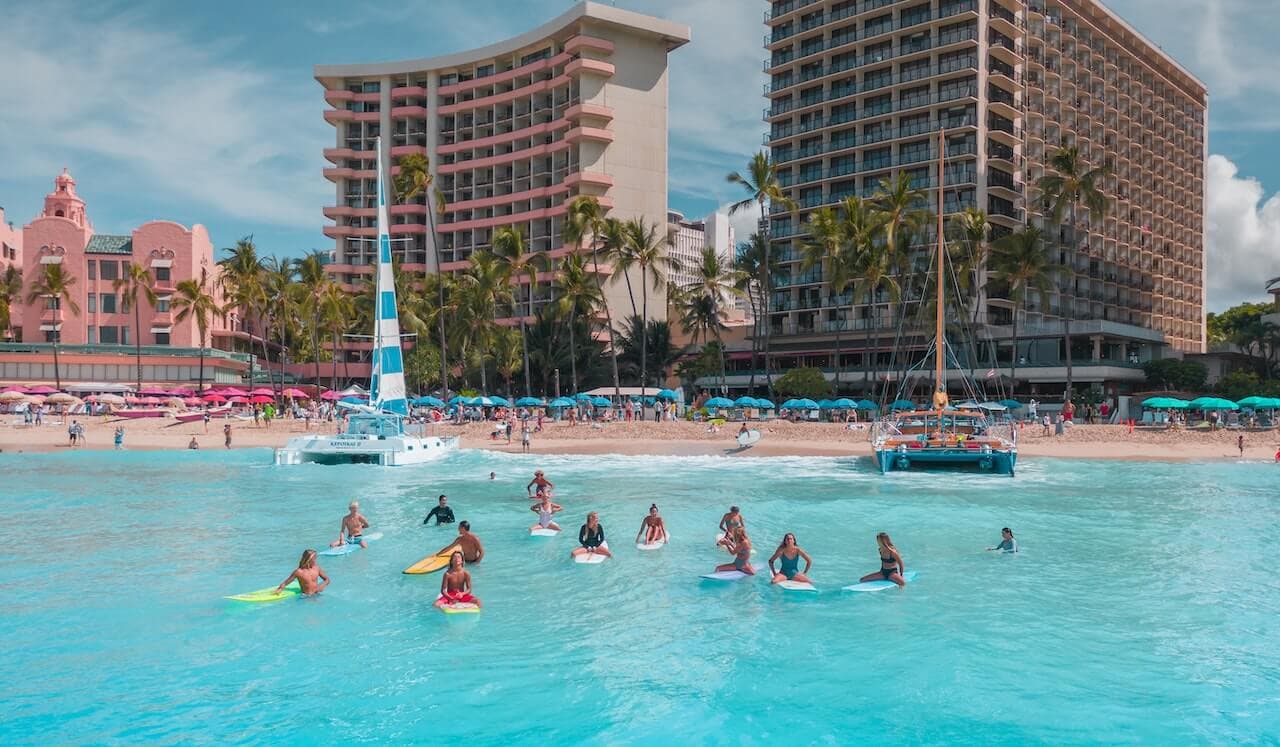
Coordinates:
(119,437)
(206,420)
(524,436)
(71,434)
(1045,422)
(226,435)
(1031,409)
(1240,444)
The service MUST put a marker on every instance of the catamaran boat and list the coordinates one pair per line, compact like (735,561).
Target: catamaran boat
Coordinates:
(943,436)
(379,432)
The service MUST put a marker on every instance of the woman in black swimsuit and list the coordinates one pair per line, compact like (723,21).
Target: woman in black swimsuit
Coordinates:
(591,538)
(891,565)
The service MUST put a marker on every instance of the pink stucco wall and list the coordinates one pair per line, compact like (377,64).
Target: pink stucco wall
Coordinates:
(10,255)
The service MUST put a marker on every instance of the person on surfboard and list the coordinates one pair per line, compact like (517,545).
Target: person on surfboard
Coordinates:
(455,585)
(310,576)
(740,545)
(545,510)
(788,556)
(652,528)
(468,543)
(352,528)
(728,523)
(891,565)
(591,538)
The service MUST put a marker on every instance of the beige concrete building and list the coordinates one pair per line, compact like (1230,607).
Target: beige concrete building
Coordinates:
(858,90)
(514,131)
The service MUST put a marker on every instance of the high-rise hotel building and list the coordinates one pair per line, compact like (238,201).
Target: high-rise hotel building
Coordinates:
(858,90)
(514,132)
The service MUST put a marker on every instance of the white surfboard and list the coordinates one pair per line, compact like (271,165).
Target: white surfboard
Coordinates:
(726,576)
(749,438)
(543,532)
(881,584)
(797,586)
(592,557)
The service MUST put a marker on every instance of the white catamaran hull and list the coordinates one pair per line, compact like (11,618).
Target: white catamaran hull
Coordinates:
(387,451)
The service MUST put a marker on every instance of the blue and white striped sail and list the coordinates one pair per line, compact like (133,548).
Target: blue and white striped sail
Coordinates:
(386,386)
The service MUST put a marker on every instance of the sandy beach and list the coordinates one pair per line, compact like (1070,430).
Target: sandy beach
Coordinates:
(779,438)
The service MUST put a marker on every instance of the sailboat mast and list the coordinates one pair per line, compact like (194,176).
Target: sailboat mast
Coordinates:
(939,358)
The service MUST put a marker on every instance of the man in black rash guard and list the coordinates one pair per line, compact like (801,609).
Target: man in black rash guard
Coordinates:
(443,514)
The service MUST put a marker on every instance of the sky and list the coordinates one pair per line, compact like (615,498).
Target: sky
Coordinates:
(208,112)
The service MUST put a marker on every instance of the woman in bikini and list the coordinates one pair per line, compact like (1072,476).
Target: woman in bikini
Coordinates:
(740,546)
(891,565)
(455,587)
(652,529)
(729,522)
(788,556)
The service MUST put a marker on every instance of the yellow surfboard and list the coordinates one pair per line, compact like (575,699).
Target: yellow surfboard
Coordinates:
(432,563)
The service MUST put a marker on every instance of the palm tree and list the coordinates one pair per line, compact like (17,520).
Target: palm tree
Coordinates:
(281,308)
(508,351)
(519,263)
(902,210)
(10,295)
(414,181)
(761,183)
(336,310)
(969,228)
(1019,262)
(579,296)
(831,248)
(54,283)
(586,218)
(312,282)
(750,281)
(1074,185)
(490,287)
(645,249)
(241,285)
(136,281)
(195,300)
(701,315)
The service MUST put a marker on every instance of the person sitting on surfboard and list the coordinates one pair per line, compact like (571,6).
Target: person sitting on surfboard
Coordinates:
(1007,542)
(353,526)
(310,576)
(455,586)
(544,485)
(788,556)
(472,550)
(652,528)
(728,523)
(442,512)
(544,510)
(891,565)
(591,537)
(740,546)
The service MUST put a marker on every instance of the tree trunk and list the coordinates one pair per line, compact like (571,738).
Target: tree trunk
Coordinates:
(839,329)
(252,356)
(315,350)
(764,302)
(137,340)
(57,338)
(723,380)
(1070,311)
(200,386)
(524,347)
(573,356)
(608,317)
(333,380)
(1013,368)
(644,330)
(755,341)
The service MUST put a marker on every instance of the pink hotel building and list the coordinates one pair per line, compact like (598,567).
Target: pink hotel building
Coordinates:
(63,234)
(513,131)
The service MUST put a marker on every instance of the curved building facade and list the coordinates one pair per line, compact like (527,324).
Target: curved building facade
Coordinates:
(513,132)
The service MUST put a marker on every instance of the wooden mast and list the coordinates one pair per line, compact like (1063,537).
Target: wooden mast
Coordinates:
(940,395)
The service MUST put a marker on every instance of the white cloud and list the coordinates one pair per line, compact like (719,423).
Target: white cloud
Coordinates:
(166,114)
(1242,236)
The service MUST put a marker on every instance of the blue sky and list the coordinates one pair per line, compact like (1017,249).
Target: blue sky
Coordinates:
(208,113)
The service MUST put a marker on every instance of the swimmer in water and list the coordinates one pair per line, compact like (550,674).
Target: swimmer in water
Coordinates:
(455,586)
(740,546)
(545,510)
(652,528)
(1007,542)
(352,529)
(788,556)
(310,576)
(891,565)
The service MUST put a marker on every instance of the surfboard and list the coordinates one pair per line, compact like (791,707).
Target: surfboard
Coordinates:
(797,586)
(592,557)
(346,548)
(459,608)
(432,563)
(749,438)
(543,532)
(726,576)
(881,584)
(269,594)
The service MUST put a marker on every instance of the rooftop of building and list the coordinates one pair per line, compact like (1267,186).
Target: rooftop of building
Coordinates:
(107,244)
(675,35)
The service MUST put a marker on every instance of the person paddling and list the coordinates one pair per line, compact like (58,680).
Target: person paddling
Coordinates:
(310,576)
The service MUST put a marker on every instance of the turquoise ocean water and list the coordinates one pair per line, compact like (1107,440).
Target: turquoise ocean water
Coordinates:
(1143,608)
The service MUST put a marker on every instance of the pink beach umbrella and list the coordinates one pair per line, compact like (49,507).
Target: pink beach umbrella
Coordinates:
(153,391)
(331,395)
(213,398)
(42,389)
(263,392)
(262,399)
(233,392)
(191,401)
(296,393)
(181,392)
(238,401)
(15,388)
(151,401)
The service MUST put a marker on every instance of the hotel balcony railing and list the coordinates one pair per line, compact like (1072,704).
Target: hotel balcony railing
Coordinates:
(852,115)
(785,32)
(872,58)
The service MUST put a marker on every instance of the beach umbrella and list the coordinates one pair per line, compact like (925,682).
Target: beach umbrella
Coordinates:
(233,392)
(191,401)
(765,404)
(14,389)
(263,392)
(458,399)
(1012,404)
(110,399)
(429,401)
(844,403)
(481,401)
(42,389)
(866,404)
(150,401)
(824,404)
(789,404)
(176,402)
(529,402)
(296,393)
(718,402)
(214,398)
(601,402)
(1156,402)
(35,399)
(667,394)
(582,397)
(12,396)
(181,392)
(745,401)
(331,395)
(262,399)
(152,391)
(62,398)
(806,404)
(238,401)
(1212,403)
(902,404)
(561,402)
(500,401)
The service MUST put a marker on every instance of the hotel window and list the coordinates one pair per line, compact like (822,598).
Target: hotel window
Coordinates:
(52,302)
(109,335)
(93,269)
(110,270)
(50,336)
(162,338)
(162,304)
(92,306)
(162,274)
(93,335)
(124,335)
(108,303)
